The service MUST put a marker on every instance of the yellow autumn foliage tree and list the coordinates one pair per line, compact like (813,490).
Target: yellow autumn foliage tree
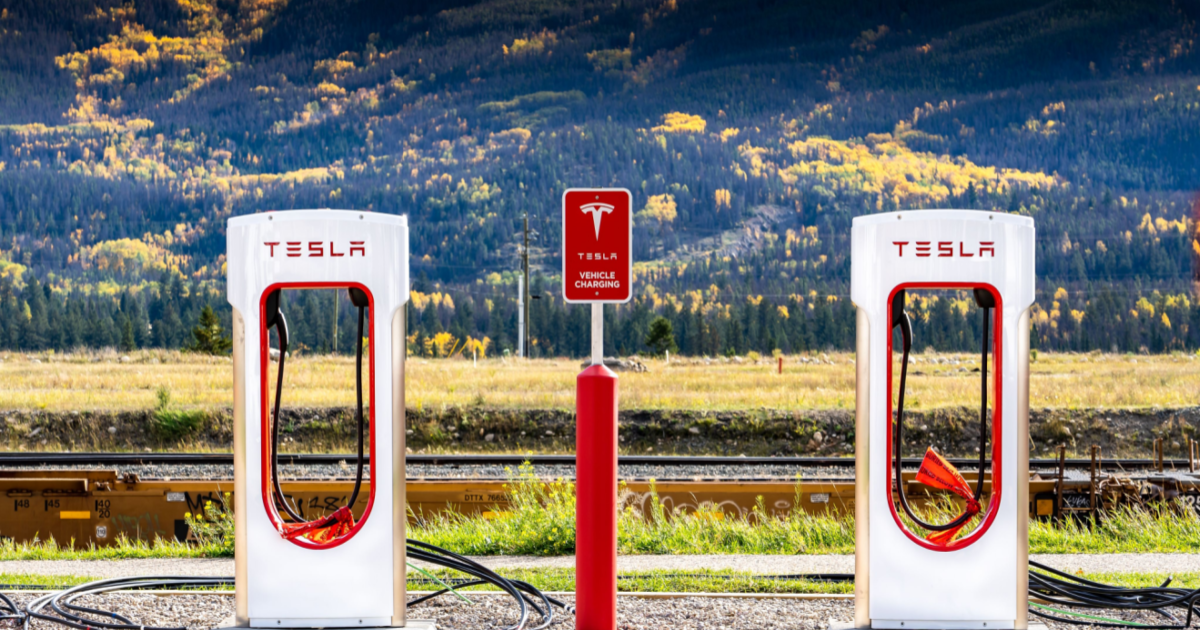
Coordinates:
(887,167)
(477,346)
(679,122)
(659,208)
(130,257)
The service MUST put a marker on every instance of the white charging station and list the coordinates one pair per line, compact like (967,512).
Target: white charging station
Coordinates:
(357,578)
(978,581)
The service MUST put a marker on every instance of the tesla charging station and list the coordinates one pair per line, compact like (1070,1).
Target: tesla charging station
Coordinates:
(330,570)
(950,576)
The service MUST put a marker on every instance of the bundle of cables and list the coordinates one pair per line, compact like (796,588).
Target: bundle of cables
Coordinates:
(59,607)
(526,595)
(68,613)
(1063,589)
(1045,585)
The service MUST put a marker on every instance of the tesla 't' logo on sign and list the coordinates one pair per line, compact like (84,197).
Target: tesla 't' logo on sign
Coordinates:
(317,249)
(597,210)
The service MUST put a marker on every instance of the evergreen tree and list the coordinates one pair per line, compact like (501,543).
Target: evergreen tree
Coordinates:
(128,339)
(661,337)
(208,336)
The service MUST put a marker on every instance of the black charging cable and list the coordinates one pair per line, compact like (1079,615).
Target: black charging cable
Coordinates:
(275,319)
(986,302)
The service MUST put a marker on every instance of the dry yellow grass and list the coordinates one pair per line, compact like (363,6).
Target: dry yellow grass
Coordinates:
(102,381)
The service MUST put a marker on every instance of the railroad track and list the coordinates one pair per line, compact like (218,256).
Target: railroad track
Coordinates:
(74,497)
(113,459)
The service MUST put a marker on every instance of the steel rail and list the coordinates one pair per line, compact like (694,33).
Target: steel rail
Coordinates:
(133,459)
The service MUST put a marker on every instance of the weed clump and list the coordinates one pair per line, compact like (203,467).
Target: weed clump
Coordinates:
(212,530)
(172,425)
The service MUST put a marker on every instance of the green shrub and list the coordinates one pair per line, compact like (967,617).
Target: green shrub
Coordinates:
(172,425)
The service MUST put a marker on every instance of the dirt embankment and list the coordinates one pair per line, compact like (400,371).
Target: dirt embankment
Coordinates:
(955,431)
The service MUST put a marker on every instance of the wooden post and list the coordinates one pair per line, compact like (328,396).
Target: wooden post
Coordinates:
(1059,487)
(1095,472)
(1158,454)
(1193,446)
(781,365)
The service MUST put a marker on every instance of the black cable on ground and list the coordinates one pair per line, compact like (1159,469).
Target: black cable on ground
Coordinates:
(1064,589)
(67,613)
(9,610)
(1053,586)
(59,607)
(519,590)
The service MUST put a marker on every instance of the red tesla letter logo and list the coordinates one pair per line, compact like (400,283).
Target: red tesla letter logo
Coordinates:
(597,210)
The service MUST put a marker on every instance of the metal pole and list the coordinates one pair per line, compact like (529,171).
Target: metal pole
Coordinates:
(597,334)
(337,295)
(596,403)
(520,316)
(525,291)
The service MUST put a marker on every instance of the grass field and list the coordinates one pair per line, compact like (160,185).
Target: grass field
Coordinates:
(99,381)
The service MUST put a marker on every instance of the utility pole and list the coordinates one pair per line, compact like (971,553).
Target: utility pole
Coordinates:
(521,316)
(525,291)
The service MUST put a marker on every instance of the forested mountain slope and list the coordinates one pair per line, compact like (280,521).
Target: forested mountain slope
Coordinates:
(749,132)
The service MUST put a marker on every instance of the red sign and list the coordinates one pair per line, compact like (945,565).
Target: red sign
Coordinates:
(597,245)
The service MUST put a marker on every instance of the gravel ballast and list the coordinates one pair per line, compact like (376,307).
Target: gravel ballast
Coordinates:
(171,610)
(472,471)
(493,611)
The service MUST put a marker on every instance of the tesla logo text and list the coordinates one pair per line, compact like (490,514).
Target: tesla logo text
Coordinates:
(597,256)
(317,249)
(597,210)
(946,249)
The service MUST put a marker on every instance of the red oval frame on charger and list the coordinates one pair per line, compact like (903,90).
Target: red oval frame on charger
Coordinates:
(997,417)
(264,363)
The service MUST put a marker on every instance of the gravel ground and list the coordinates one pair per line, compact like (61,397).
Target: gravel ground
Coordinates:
(481,471)
(492,611)
(426,471)
(636,613)
(192,611)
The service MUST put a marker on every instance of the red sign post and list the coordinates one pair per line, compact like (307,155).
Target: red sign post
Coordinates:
(597,269)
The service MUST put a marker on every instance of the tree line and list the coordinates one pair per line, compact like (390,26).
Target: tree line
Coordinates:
(174,313)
